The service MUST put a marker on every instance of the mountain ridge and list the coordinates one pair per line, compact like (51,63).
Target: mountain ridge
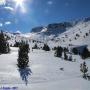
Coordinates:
(77,34)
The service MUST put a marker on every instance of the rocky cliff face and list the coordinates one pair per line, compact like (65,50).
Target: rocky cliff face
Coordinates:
(58,28)
(54,29)
(37,29)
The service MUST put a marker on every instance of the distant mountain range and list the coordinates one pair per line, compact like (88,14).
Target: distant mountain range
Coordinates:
(65,33)
(57,28)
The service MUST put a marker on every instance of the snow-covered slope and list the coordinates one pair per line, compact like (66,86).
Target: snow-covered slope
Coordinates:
(77,34)
(46,73)
(44,70)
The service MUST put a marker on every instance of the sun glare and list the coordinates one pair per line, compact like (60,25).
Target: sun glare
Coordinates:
(2,2)
(20,4)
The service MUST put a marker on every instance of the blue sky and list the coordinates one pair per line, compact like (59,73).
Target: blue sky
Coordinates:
(23,15)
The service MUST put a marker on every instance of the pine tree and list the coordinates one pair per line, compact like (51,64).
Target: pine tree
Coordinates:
(35,46)
(8,48)
(46,47)
(85,54)
(84,69)
(54,48)
(65,56)
(70,58)
(4,46)
(75,51)
(65,49)
(58,52)
(23,58)
(17,44)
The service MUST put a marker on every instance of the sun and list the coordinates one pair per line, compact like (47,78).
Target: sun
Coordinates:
(2,2)
(20,4)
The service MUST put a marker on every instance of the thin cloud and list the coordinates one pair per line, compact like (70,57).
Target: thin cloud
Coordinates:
(9,8)
(7,23)
(50,2)
(1,24)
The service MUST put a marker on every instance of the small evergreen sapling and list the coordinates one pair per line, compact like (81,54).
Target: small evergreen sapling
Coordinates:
(65,56)
(84,69)
(70,58)
(35,46)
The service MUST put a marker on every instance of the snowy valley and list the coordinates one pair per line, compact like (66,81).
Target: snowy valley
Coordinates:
(45,71)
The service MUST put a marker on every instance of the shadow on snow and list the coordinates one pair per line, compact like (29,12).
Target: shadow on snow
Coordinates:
(24,74)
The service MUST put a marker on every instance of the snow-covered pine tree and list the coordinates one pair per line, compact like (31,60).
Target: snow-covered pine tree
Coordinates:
(23,58)
(4,45)
(84,69)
